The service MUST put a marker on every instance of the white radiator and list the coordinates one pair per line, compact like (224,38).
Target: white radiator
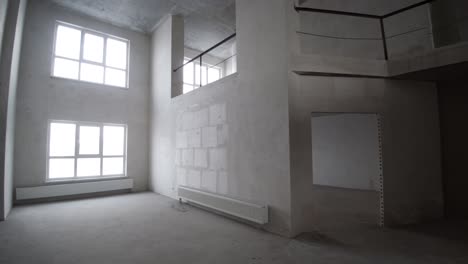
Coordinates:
(56,190)
(252,212)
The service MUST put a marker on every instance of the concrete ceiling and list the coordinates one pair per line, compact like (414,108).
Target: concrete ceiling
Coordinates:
(206,21)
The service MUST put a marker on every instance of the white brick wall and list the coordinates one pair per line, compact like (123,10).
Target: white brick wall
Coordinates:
(194,138)
(194,178)
(210,137)
(217,114)
(201,148)
(201,158)
(187,157)
(209,180)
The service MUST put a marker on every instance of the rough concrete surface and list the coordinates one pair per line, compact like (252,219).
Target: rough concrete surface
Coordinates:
(148,228)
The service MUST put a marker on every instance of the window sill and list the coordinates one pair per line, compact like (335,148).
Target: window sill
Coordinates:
(81,180)
(89,83)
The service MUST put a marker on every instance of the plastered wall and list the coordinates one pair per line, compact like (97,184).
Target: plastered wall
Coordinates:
(410,148)
(42,97)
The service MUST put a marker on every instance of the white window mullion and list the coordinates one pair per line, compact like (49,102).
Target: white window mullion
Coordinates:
(81,55)
(101,140)
(104,56)
(77,148)
(125,151)
(78,157)
(88,72)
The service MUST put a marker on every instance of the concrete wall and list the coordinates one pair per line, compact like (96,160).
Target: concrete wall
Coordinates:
(3,15)
(411,152)
(11,51)
(450,22)
(3,12)
(41,97)
(231,136)
(347,29)
(454,130)
(164,53)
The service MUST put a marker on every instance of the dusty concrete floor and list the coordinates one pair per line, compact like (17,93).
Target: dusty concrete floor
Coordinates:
(148,228)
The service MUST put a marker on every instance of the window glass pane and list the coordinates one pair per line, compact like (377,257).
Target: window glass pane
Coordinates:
(113,166)
(197,74)
(204,75)
(89,140)
(116,54)
(114,140)
(61,168)
(213,74)
(187,88)
(66,68)
(68,42)
(88,167)
(93,49)
(62,139)
(116,77)
(92,73)
(188,73)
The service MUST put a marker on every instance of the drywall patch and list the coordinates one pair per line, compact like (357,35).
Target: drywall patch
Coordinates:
(345,151)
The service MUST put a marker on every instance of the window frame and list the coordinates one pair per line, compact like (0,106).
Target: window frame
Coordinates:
(208,66)
(77,155)
(81,59)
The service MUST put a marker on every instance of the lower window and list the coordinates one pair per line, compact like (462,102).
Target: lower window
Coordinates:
(79,150)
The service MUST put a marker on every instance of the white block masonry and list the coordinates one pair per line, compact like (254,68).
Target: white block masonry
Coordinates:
(201,158)
(201,148)
(209,180)
(217,114)
(210,135)
(194,179)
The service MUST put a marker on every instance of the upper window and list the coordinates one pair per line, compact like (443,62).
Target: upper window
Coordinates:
(193,74)
(89,56)
(83,150)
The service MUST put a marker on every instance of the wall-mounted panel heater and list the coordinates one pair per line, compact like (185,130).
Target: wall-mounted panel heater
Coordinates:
(57,190)
(244,210)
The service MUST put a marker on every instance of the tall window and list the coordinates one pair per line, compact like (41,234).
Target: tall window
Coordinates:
(89,56)
(83,150)
(193,73)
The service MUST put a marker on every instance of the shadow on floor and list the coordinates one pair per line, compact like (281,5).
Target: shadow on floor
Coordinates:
(453,230)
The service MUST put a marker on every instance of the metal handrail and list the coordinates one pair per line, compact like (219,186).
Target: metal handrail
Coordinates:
(206,51)
(355,14)
(363,15)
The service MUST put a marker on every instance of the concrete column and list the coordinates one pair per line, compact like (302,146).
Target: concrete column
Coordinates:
(177,54)
(167,49)
(12,31)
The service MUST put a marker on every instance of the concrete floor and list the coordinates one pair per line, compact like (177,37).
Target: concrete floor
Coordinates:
(148,228)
